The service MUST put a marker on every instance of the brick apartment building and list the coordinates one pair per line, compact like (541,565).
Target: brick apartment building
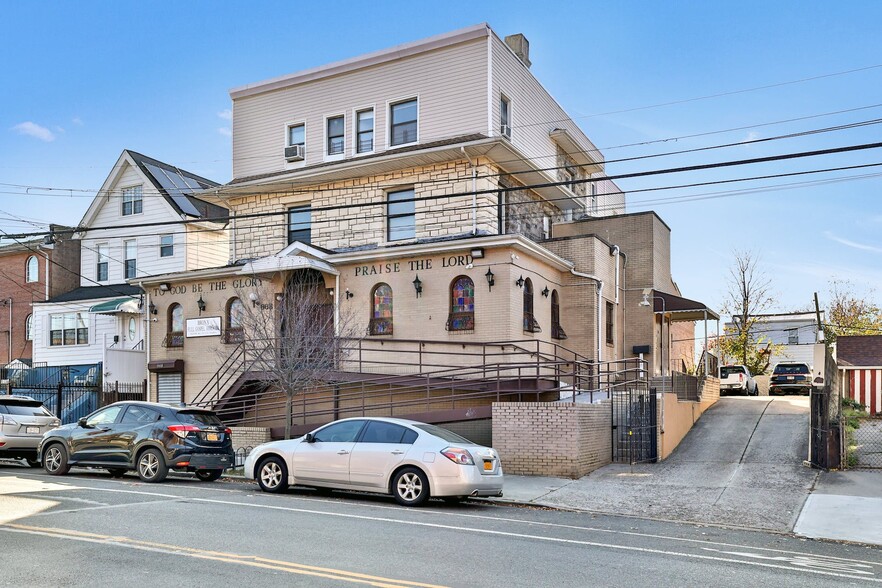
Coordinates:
(443,203)
(32,271)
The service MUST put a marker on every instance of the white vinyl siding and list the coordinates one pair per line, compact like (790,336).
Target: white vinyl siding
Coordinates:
(446,109)
(99,326)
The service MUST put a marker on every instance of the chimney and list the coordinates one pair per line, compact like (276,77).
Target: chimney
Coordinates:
(521,47)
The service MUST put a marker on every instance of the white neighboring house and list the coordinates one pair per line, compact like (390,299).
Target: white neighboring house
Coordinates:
(796,331)
(103,319)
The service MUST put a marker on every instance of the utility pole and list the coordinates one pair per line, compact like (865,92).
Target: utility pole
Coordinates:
(820,335)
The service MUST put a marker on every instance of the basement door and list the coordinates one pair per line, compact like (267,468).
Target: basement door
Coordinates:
(170,388)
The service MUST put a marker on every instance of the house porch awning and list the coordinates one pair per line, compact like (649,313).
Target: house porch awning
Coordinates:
(681,309)
(129,305)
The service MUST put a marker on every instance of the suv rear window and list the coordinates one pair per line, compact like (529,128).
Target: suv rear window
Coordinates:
(792,369)
(25,408)
(199,417)
(725,372)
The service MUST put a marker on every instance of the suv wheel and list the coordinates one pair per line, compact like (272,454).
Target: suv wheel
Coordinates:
(151,466)
(272,475)
(410,487)
(55,460)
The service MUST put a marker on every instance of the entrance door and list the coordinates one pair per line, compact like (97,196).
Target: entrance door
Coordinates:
(306,321)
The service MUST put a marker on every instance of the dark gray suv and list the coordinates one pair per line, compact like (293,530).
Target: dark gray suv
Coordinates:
(146,437)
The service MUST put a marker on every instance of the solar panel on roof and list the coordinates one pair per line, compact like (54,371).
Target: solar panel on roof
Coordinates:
(175,186)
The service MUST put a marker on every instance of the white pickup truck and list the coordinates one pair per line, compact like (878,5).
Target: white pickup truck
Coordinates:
(736,379)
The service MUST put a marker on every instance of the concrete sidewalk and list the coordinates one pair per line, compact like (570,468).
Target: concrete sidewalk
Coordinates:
(843,506)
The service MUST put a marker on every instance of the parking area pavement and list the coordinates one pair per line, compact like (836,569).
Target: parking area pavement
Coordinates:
(741,465)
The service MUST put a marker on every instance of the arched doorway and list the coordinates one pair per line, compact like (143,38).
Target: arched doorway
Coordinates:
(306,317)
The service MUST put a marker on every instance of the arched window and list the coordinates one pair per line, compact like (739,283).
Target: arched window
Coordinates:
(235,321)
(462,305)
(530,324)
(381,310)
(557,331)
(175,337)
(29,328)
(32,269)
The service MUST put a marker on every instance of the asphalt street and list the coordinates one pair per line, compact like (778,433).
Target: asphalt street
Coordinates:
(87,529)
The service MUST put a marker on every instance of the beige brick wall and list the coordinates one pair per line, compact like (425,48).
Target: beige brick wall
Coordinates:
(552,439)
(249,437)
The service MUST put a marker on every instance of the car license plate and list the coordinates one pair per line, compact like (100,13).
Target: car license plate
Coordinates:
(32,430)
(488,466)
(789,377)
(212,437)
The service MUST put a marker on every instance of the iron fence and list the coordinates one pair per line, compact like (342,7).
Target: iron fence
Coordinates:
(824,418)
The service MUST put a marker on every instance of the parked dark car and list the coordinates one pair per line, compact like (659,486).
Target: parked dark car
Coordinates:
(23,421)
(791,377)
(146,437)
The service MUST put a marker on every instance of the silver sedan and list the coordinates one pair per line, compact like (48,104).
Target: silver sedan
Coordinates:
(407,459)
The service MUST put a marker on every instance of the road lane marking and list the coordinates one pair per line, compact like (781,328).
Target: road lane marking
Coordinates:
(808,561)
(106,506)
(233,558)
(700,542)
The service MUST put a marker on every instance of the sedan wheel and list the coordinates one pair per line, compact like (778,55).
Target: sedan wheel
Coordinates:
(272,475)
(151,466)
(55,460)
(209,475)
(410,487)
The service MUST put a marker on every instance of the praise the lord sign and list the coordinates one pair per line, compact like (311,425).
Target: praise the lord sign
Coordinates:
(414,265)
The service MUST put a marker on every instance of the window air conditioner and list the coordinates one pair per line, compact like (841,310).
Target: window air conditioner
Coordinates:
(294,153)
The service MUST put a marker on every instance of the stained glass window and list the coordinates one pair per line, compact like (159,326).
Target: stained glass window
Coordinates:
(175,337)
(462,305)
(381,310)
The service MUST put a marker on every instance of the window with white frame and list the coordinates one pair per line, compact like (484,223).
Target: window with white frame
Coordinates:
(70,328)
(364,134)
(131,260)
(166,246)
(403,122)
(401,221)
(29,328)
(336,135)
(295,149)
(132,200)
(592,191)
(792,336)
(101,266)
(505,117)
(32,269)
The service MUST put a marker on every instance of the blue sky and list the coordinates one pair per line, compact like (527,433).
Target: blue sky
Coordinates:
(82,81)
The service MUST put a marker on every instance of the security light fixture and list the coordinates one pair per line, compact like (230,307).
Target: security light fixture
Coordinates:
(490,281)
(545,292)
(520,282)
(477,253)
(200,304)
(165,286)
(418,286)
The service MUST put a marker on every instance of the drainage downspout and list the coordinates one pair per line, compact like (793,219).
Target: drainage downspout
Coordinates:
(599,315)
(616,252)
(474,192)
(337,305)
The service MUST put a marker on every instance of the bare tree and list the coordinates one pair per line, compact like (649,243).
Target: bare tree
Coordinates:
(748,296)
(850,314)
(296,338)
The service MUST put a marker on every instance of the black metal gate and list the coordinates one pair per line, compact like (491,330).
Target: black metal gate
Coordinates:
(635,425)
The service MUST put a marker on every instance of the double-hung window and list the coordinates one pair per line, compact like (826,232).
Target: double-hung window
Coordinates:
(295,150)
(299,224)
(364,136)
(166,246)
(505,117)
(401,216)
(336,135)
(131,260)
(101,269)
(403,123)
(610,323)
(69,328)
(132,200)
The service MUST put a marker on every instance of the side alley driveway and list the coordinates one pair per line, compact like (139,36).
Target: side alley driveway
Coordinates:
(740,465)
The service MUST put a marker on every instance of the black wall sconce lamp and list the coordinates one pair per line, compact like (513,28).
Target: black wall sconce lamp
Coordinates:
(348,294)
(418,286)
(490,281)
(152,308)
(545,292)
(200,304)
(520,282)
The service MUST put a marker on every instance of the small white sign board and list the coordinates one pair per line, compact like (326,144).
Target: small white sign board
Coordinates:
(209,326)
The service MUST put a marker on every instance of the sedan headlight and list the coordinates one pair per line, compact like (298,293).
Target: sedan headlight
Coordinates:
(458,455)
